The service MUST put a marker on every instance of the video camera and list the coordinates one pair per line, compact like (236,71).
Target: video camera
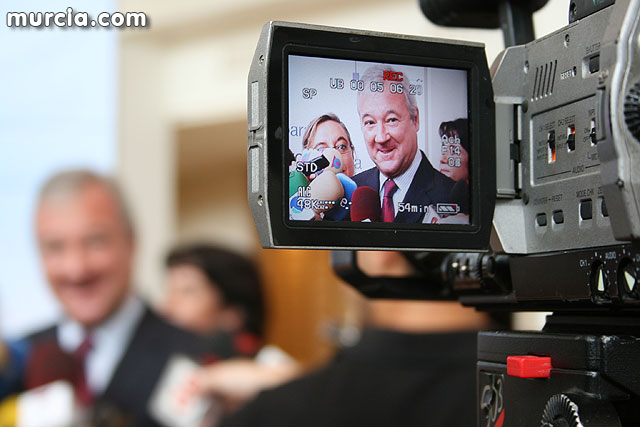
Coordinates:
(517,185)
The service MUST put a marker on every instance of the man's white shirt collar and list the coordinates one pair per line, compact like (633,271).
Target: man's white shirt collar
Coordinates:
(109,341)
(403,181)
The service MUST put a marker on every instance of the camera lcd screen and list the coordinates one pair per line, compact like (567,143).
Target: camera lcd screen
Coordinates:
(372,142)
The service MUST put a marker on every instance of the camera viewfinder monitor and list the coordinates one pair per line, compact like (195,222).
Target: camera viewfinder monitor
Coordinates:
(370,141)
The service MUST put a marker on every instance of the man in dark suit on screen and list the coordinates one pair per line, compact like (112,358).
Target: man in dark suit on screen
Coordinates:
(403,175)
(119,346)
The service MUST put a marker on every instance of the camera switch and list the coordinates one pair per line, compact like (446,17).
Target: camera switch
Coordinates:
(551,143)
(603,207)
(558,217)
(586,209)
(541,219)
(529,366)
(571,138)
(594,64)
(599,283)
(627,278)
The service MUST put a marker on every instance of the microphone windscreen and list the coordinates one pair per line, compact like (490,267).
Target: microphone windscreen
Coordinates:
(336,164)
(348,185)
(326,188)
(9,411)
(365,205)
(13,359)
(47,363)
(312,161)
(339,212)
(296,181)
(174,400)
(48,405)
(309,154)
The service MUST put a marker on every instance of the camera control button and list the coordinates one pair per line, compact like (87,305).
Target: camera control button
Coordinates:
(594,64)
(586,209)
(603,208)
(541,219)
(529,366)
(558,217)
(571,139)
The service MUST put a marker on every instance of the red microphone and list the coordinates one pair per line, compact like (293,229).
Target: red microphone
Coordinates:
(365,205)
(48,363)
(49,377)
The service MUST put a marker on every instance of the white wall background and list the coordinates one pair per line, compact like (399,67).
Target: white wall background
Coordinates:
(446,101)
(57,110)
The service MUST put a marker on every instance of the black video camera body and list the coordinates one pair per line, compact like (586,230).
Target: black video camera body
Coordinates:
(541,211)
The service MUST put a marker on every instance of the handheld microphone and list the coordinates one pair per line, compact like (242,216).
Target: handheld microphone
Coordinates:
(297,180)
(13,358)
(365,205)
(298,191)
(311,161)
(175,400)
(9,411)
(342,208)
(329,159)
(51,404)
(48,363)
(324,191)
(336,165)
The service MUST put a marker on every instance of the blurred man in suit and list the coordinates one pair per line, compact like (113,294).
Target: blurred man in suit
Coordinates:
(86,241)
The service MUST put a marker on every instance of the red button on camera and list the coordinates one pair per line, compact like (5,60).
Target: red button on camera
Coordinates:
(529,366)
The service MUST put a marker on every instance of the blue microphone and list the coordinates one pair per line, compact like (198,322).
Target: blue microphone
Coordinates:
(343,205)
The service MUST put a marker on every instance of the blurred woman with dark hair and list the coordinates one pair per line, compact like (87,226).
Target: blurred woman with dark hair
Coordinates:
(454,161)
(216,293)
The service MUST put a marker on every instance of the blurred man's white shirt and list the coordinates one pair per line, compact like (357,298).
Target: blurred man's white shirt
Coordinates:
(109,341)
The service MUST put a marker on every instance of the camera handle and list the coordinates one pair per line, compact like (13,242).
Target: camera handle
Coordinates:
(514,17)
(424,285)
(437,275)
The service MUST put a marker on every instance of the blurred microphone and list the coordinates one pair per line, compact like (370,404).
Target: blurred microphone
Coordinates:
(325,189)
(365,205)
(297,180)
(460,195)
(175,400)
(50,405)
(48,363)
(298,191)
(9,411)
(13,358)
(340,211)
(336,165)
(329,159)
(49,375)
